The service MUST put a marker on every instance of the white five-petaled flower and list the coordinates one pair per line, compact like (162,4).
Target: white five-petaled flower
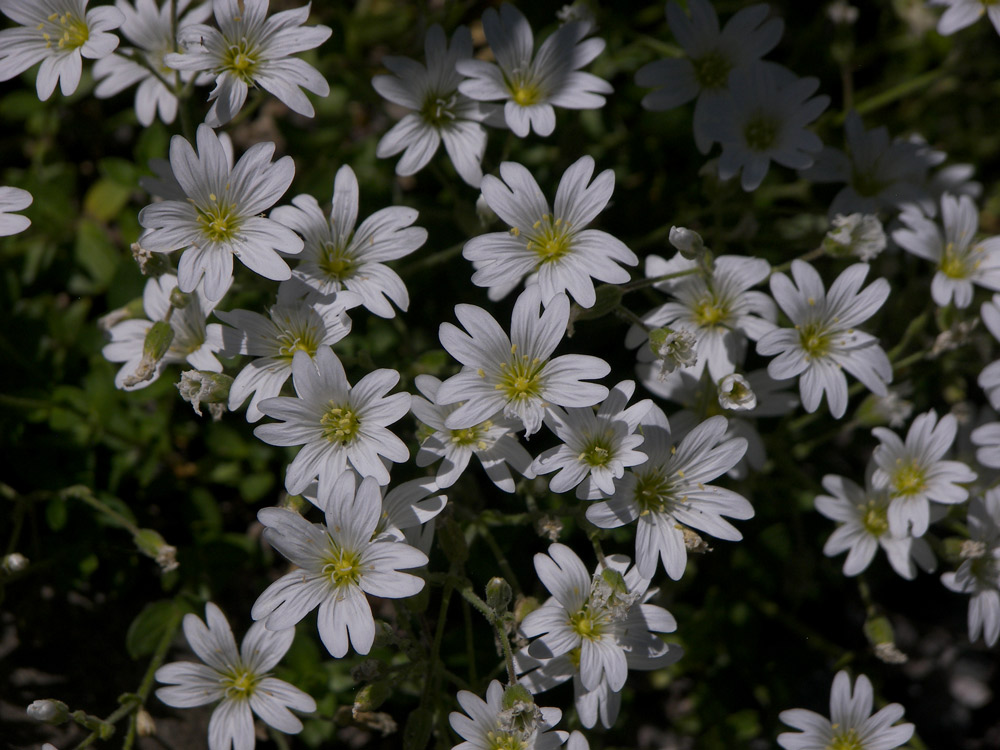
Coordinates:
(57,33)
(338,563)
(516,374)
(762,119)
(438,111)
(194,341)
(273,340)
(824,340)
(597,446)
(151,30)
(240,679)
(863,515)
(492,725)
(851,725)
(13,199)
(671,490)
(719,309)
(602,619)
(962,13)
(532,84)
(710,56)
(914,473)
(250,49)
(552,245)
(338,256)
(335,424)
(961,261)
(879,173)
(494,441)
(220,216)
(979,573)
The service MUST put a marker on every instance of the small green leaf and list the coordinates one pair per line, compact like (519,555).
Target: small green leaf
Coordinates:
(105,199)
(148,628)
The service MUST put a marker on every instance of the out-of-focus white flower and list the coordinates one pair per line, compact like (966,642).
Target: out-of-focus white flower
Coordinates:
(13,199)
(855,235)
(962,13)
(979,573)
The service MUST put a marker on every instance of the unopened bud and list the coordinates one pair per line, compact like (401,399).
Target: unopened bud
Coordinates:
(159,337)
(735,393)
(498,594)
(50,711)
(15,562)
(150,263)
(144,724)
(370,697)
(151,544)
(179,299)
(199,387)
(688,242)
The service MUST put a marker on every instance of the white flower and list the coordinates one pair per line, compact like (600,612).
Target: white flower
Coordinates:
(879,174)
(552,245)
(863,515)
(672,349)
(219,217)
(532,84)
(338,256)
(438,111)
(151,30)
(410,509)
(494,725)
(855,235)
(493,441)
(596,446)
(851,725)
(239,679)
(515,374)
(962,13)
(671,489)
(720,310)
(193,341)
(338,563)
(601,618)
(979,573)
(273,340)
(13,199)
(987,438)
(710,56)
(824,340)
(762,119)
(250,49)
(736,393)
(961,262)
(989,378)
(57,33)
(336,424)
(915,474)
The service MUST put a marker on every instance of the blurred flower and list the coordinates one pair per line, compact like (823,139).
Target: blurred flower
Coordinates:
(220,215)
(338,254)
(962,13)
(979,573)
(553,246)
(531,84)
(824,340)
(338,562)
(851,725)
(13,199)
(855,235)
(57,33)
(240,680)
(250,49)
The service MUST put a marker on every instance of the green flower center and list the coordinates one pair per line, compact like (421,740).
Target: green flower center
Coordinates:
(599,450)
(866,184)
(550,239)
(503,741)
(240,684)
(343,566)
(290,342)
(340,424)
(814,340)
(586,625)
(957,265)
(654,491)
(712,70)
(524,89)
(472,435)
(240,59)
(848,740)
(909,478)
(337,262)
(875,518)
(760,132)
(520,378)
(709,313)
(219,222)
(65,30)
(438,110)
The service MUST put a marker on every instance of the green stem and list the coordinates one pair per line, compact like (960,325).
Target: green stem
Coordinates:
(643,283)
(904,89)
(811,255)
(487,612)
(146,686)
(434,259)
(433,659)
(505,568)
(80,492)
(631,317)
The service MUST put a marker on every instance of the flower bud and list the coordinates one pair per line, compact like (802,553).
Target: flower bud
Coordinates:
(179,299)
(498,594)
(202,386)
(144,724)
(15,562)
(688,242)
(370,697)
(735,393)
(50,711)
(159,337)
(151,544)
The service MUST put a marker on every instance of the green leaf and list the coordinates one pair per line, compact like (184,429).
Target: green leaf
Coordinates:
(96,254)
(105,199)
(149,627)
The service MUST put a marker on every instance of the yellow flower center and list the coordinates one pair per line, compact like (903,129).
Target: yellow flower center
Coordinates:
(472,435)
(709,313)
(875,518)
(240,59)
(337,262)
(340,424)
(654,491)
(585,625)
(848,740)
(343,567)
(219,221)
(65,30)
(503,741)
(599,450)
(814,340)
(240,684)
(953,264)
(550,239)
(520,378)
(909,478)
(760,132)
(290,342)
(712,70)
(438,109)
